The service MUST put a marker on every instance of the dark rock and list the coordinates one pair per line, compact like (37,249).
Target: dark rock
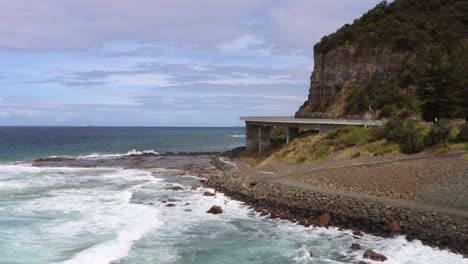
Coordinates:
(369,254)
(252,184)
(358,233)
(175,188)
(202,181)
(208,194)
(170,205)
(355,246)
(54,159)
(215,210)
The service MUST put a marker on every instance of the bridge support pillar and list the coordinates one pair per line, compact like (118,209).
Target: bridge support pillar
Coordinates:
(251,135)
(264,138)
(293,132)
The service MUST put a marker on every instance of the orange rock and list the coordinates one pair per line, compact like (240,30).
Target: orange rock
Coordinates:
(393,227)
(322,220)
(369,254)
(176,188)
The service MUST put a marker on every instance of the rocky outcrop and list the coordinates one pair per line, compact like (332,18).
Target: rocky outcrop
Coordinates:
(339,69)
(215,210)
(369,254)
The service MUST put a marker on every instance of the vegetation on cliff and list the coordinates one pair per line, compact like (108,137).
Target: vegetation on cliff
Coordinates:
(431,36)
(352,142)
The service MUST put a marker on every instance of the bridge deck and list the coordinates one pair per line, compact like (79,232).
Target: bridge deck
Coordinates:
(257,129)
(310,121)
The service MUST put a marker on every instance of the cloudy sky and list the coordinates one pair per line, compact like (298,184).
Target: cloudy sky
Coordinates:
(160,62)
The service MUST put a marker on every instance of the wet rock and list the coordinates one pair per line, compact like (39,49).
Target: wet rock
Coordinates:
(393,227)
(215,210)
(311,254)
(358,233)
(202,181)
(175,188)
(53,159)
(194,187)
(208,194)
(170,205)
(362,262)
(322,220)
(355,246)
(369,254)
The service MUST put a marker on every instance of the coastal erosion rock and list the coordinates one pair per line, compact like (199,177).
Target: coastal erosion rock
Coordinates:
(322,220)
(369,254)
(393,228)
(355,246)
(175,188)
(215,210)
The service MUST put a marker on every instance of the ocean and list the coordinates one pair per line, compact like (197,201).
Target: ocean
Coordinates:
(116,213)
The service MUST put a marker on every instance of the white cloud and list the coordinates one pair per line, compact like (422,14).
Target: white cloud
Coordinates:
(140,80)
(245,44)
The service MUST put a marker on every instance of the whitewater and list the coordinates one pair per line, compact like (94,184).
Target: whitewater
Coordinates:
(114,215)
(101,209)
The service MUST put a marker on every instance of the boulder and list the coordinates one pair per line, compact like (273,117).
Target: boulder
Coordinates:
(208,194)
(393,227)
(358,233)
(322,220)
(369,254)
(355,246)
(215,210)
(175,188)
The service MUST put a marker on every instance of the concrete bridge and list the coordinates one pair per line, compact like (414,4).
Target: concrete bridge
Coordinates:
(258,129)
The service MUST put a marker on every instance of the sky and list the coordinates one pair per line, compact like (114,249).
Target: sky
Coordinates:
(160,62)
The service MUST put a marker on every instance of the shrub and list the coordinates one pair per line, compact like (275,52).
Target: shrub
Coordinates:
(410,139)
(392,130)
(405,134)
(439,132)
(279,133)
(356,100)
(463,134)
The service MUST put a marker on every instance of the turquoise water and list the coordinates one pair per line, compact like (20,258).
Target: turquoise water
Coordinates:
(115,215)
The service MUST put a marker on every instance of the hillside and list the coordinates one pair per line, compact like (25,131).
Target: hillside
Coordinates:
(407,58)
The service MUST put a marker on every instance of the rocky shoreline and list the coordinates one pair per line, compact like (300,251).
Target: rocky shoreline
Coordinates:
(324,209)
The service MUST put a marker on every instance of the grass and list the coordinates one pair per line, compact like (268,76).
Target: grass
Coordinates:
(343,143)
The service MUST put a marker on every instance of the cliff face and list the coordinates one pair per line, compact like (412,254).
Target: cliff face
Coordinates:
(339,69)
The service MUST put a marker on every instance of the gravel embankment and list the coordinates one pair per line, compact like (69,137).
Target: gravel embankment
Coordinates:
(376,215)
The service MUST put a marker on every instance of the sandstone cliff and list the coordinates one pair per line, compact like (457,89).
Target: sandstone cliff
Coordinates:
(339,69)
(394,58)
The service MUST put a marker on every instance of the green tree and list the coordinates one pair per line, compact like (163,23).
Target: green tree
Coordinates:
(438,85)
